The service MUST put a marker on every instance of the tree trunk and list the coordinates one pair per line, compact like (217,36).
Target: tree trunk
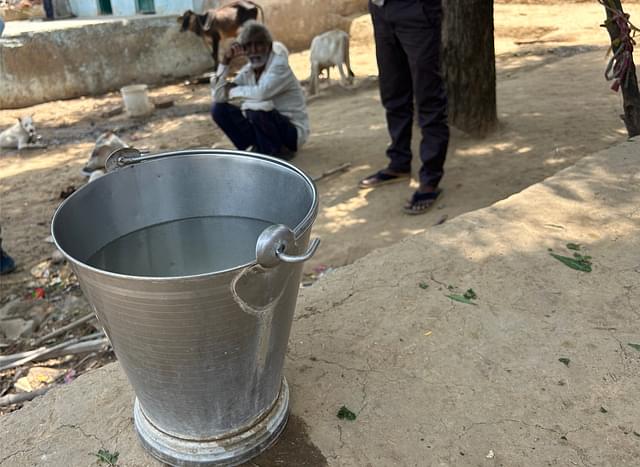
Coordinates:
(629,84)
(469,64)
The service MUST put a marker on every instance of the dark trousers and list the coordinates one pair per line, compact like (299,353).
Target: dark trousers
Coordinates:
(270,133)
(408,37)
(48,8)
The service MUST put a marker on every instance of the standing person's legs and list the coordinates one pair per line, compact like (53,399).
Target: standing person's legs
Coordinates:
(275,135)
(234,124)
(396,93)
(419,31)
(48,8)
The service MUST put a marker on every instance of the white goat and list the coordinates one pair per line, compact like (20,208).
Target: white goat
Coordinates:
(22,135)
(327,50)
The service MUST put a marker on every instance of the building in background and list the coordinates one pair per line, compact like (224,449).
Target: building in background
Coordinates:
(92,8)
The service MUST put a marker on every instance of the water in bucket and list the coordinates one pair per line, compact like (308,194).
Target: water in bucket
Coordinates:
(184,247)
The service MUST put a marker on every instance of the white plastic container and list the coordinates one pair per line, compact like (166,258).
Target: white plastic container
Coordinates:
(136,100)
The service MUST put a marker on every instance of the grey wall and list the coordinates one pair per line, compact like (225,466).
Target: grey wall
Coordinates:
(45,66)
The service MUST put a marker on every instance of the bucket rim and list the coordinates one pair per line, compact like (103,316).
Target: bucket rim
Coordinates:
(302,227)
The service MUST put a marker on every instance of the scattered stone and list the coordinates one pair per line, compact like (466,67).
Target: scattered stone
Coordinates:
(73,303)
(57,257)
(490,455)
(16,328)
(41,270)
(38,377)
(10,309)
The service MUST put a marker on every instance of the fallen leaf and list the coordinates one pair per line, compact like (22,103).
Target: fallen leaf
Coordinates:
(470,294)
(566,361)
(428,333)
(346,414)
(573,246)
(423,285)
(582,264)
(603,410)
(461,299)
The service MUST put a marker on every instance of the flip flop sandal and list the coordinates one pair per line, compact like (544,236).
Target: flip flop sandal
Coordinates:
(421,202)
(381,178)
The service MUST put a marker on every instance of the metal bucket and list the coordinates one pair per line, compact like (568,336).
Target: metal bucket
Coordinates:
(192,262)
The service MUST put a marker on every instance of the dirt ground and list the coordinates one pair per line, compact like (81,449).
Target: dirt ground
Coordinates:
(553,103)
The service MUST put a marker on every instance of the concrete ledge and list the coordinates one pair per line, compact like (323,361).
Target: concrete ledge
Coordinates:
(95,57)
(436,382)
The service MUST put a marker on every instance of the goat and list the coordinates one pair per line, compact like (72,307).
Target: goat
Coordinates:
(327,50)
(105,144)
(22,135)
(220,23)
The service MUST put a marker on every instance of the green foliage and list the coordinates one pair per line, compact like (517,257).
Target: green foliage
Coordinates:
(346,414)
(578,262)
(461,299)
(109,458)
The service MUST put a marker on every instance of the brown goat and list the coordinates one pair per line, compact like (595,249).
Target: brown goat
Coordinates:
(220,23)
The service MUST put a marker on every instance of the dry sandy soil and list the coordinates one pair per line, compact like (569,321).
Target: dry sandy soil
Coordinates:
(553,103)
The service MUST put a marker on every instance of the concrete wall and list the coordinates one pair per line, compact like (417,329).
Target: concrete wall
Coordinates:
(83,8)
(123,7)
(65,63)
(296,22)
(168,7)
(89,8)
(42,66)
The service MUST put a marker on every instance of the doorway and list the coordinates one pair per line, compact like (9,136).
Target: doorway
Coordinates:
(105,7)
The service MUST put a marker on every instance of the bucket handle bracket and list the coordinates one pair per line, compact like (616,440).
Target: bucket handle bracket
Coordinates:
(273,243)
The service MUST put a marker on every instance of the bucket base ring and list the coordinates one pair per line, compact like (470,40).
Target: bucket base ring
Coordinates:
(230,451)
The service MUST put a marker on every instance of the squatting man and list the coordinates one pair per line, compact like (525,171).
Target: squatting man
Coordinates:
(272,117)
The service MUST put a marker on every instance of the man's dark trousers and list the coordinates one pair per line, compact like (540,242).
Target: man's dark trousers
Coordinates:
(269,133)
(408,38)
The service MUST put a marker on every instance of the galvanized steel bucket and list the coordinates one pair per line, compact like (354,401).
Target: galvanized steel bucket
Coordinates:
(204,350)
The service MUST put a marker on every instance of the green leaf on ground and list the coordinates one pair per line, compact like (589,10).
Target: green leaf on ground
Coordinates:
(566,361)
(346,414)
(470,294)
(580,263)
(104,455)
(423,285)
(460,298)
(635,346)
(450,287)
(573,246)
(578,256)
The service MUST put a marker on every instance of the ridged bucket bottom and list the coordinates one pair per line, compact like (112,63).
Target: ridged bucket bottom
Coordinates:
(230,451)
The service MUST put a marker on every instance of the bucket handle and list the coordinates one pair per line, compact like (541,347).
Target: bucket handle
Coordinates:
(273,243)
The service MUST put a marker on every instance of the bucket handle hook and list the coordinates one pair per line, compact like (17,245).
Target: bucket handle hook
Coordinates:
(273,243)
